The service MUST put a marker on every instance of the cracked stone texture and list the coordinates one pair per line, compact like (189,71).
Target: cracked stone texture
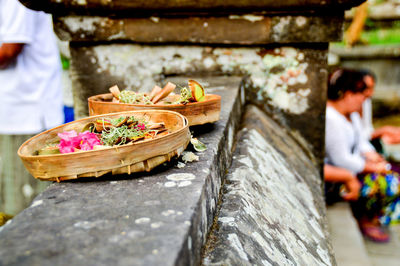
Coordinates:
(124,7)
(272,210)
(156,218)
(310,134)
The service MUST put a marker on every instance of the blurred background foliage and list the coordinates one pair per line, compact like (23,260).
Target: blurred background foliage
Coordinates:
(375,22)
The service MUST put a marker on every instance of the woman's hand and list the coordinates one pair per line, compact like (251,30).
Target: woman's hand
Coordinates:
(373,157)
(388,134)
(340,175)
(353,187)
(391,138)
(379,168)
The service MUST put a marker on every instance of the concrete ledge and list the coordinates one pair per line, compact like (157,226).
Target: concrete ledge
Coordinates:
(157,218)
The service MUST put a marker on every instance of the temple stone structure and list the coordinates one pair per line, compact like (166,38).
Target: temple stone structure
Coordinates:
(280,47)
(255,196)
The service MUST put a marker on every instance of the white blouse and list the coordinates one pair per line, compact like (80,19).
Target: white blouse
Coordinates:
(345,141)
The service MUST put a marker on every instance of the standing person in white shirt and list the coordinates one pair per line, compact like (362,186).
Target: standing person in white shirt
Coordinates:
(30,95)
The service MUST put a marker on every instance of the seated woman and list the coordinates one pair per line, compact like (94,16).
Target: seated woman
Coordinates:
(347,148)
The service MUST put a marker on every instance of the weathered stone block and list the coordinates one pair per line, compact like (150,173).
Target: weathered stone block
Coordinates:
(293,89)
(272,210)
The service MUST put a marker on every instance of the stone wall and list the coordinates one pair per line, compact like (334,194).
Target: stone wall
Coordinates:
(268,53)
(288,82)
(280,46)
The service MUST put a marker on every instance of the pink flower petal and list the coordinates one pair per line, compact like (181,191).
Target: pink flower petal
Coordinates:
(70,140)
(66,149)
(67,134)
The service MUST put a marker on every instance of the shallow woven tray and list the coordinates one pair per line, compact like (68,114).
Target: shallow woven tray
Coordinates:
(135,157)
(197,113)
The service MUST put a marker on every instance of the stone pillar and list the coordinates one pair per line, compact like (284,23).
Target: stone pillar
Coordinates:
(280,47)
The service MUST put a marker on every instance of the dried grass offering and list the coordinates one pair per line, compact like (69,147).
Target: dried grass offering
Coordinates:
(166,135)
(192,102)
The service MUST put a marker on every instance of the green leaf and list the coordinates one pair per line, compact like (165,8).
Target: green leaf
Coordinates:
(198,145)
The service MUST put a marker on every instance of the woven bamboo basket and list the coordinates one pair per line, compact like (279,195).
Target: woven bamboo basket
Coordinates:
(197,113)
(129,158)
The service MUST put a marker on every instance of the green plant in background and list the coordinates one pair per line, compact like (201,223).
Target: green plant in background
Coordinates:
(381,36)
(369,23)
(377,28)
(378,36)
(381,32)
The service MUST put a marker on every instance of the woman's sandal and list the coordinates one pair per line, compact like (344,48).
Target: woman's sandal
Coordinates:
(375,233)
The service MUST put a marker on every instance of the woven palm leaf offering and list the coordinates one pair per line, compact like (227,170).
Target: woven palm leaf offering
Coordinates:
(192,102)
(118,143)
